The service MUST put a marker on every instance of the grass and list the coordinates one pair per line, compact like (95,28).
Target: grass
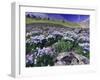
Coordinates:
(63,46)
(67,24)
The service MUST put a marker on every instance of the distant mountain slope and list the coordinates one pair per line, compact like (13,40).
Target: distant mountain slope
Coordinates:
(85,23)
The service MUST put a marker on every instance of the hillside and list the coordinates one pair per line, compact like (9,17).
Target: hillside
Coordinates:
(63,23)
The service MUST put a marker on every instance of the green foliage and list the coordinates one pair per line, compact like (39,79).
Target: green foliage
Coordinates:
(50,42)
(87,55)
(29,65)
(30,48)
(45,60)
(63,46)
(78,49)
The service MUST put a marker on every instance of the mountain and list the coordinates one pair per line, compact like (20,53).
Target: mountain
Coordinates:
(75,18)
(85,23)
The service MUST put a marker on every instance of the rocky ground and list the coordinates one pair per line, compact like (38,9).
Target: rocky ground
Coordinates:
(71,58)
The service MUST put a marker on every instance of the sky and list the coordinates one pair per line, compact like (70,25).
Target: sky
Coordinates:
(56,16)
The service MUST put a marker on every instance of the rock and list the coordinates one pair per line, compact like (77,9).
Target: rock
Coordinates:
(71,58)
